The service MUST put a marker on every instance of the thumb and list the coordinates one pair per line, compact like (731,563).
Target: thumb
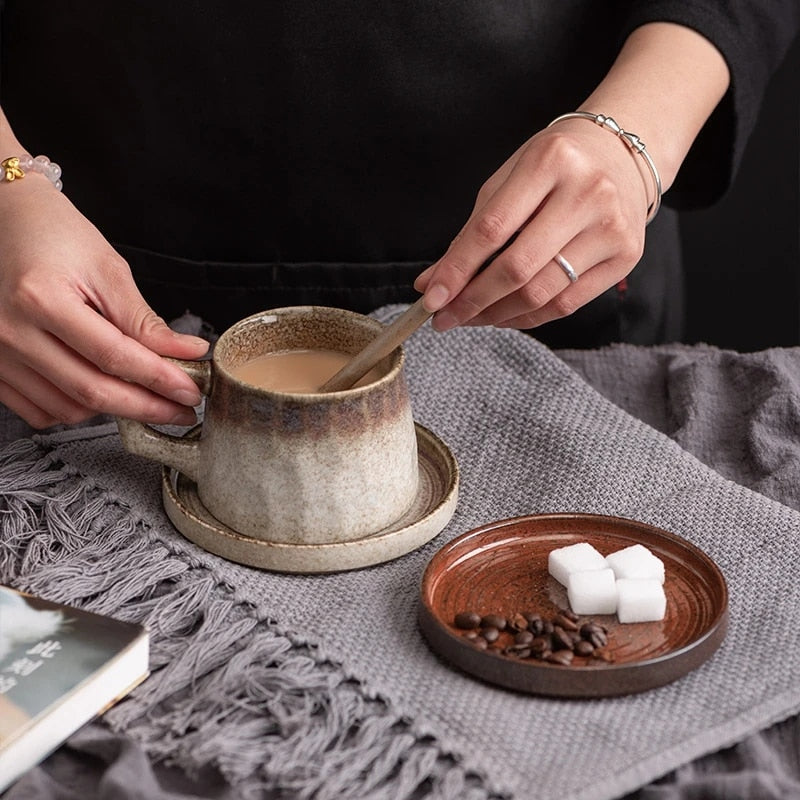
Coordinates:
(131,314)
(155,334)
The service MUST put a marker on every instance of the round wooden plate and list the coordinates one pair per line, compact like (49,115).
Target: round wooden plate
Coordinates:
(502,568)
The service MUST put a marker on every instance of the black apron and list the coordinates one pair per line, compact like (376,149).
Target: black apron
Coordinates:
(244,156)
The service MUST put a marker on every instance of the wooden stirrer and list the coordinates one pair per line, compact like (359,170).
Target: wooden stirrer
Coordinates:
(391,337)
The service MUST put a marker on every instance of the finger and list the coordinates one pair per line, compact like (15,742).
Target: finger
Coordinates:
(591,284)
(580,254)
(108,353)
(116,297)
(485,233)
(487,190)
(35,416)
(558,220)
(24,388)
(125,307)
(422,280)
(61,370)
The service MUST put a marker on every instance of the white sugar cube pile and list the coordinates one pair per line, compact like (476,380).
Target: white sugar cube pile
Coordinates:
(628,582)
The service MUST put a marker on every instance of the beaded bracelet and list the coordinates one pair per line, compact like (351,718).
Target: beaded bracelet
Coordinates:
(630,139)
(16,167)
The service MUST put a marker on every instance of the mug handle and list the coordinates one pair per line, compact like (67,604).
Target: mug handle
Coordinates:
(182,454)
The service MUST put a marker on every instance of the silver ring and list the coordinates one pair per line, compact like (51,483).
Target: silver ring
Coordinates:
(566,266)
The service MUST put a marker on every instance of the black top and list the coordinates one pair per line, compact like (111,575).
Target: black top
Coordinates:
(248,155)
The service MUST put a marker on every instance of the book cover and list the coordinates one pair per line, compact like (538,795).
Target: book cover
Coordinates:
(59,668)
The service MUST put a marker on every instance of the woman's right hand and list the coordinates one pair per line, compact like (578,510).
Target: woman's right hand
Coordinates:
(77,338)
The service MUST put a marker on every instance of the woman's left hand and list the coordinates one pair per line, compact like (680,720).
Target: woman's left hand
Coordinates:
(573,190)
(577,191)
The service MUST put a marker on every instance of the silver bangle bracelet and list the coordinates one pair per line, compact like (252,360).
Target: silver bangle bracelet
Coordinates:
(632,141)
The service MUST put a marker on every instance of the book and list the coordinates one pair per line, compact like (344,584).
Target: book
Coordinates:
(60,667)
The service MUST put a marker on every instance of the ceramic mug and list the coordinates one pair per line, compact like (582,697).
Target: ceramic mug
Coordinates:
(295,468)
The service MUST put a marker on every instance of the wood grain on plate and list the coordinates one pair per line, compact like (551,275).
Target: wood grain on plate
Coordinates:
(502,568)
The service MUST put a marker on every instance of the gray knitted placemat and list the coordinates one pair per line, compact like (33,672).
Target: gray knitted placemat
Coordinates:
(321,687)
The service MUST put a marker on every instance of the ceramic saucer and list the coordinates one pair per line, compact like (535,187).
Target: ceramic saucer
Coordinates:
(429,514)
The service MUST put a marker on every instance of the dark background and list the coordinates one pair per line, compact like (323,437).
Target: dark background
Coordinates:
(743,255)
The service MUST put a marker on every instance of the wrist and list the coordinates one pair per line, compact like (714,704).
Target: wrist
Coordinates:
(637,147)
(17,167)
(664,85)
(26,201)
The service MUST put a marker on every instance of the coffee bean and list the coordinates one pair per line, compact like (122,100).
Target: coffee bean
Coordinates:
(540,644)
(536,626)
(584,648)
(565,622)
(518,622)
(493,621)
(563,657)
(491,634)
(556,640)
(561,639)
(570,614)
(594,633)
(467,620)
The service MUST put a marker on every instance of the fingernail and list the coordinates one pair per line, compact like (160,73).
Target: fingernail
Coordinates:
(435,297)
(186,397)
(444,321)
(186,417)
(197,341)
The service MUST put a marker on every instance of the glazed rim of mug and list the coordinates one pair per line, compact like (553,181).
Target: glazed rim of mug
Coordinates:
(245,340)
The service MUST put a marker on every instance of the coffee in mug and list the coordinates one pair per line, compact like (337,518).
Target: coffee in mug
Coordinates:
(303,371)
(295,466)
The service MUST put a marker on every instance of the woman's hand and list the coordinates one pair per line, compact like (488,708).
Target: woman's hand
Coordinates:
(573,189)
(76,336)
(577,190)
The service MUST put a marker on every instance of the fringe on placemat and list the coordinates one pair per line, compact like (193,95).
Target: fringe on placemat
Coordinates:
(227,688)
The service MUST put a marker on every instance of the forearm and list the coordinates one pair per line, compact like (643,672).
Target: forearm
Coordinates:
(663,86)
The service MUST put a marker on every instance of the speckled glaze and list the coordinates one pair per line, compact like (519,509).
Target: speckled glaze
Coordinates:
(432,509)
(296,468)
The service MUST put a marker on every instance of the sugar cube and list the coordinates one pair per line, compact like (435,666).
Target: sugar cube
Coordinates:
(640,600)
(592,591)
(579,557)
(636,561)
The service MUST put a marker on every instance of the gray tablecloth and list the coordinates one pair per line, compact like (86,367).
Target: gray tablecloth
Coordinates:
(336,709)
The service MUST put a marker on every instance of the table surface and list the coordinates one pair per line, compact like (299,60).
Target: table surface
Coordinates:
(709,402)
